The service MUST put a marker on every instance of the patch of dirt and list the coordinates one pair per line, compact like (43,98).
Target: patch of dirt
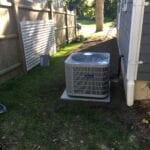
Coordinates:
(8,143)
(135,117)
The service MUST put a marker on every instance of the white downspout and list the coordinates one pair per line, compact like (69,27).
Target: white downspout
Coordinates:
(119,4)
(134,47)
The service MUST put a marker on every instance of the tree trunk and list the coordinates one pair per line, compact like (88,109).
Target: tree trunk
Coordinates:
(99,15)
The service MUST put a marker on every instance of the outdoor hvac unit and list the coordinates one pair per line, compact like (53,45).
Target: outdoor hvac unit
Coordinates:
(87,74)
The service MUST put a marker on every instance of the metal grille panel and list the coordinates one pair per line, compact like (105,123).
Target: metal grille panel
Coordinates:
(87,81)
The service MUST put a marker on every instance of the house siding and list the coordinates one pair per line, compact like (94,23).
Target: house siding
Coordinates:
(124,33)
(144,69)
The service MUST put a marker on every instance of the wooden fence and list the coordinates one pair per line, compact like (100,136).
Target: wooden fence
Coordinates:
(12,58)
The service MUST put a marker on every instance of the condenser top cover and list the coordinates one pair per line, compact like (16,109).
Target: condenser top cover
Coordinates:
(89,58)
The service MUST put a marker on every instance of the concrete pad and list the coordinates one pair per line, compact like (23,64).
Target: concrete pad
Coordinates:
(66,97)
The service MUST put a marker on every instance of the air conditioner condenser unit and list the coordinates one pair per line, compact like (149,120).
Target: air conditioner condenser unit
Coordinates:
(88,74)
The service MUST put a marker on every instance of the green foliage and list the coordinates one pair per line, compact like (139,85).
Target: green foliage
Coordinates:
(86,8)
(148,85)
(110,10)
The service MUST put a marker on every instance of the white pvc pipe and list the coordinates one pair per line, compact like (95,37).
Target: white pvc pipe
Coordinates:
(134,48)
(130,92)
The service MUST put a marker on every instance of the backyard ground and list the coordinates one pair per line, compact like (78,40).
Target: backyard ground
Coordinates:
(37,119)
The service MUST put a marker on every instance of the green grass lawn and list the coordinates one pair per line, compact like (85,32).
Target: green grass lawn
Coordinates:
(85,22)
(88,27)
(38,119)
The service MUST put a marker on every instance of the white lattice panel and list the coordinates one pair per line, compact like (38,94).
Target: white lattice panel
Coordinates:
(38,39)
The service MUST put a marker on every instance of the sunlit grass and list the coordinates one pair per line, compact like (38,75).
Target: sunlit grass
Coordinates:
(86,21)
(92,23)
(67,49)
(89,27)
(108,24)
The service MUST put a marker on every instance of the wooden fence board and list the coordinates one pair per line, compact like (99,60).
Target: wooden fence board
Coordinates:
(11,42)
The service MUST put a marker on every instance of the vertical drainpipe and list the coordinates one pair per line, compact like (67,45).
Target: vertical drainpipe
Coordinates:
(134,47)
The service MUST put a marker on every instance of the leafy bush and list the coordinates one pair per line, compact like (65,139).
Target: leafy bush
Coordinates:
(110,9)
(86,8)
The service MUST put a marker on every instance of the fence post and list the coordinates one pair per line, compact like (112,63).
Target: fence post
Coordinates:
(75,22)
(50,5)
(66,24)
(15,9)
